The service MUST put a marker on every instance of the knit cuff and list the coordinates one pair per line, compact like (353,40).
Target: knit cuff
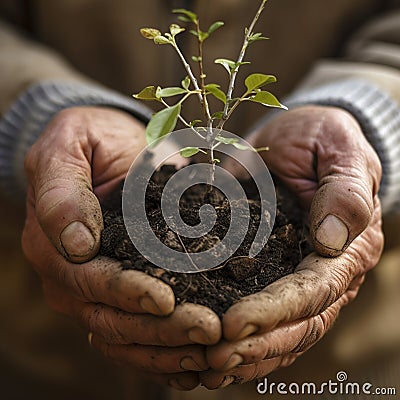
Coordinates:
(27,118)
(379,118)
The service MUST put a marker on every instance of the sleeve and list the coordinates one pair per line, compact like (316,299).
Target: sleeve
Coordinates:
(366,83)
(36,84)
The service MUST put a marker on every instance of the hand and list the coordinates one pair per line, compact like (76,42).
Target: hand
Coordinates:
(80,158)
(321,154)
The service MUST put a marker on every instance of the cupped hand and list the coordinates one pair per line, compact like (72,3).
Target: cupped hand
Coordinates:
(321,154)
(78,160)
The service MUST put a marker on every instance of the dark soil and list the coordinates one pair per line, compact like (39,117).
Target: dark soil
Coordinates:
(240,276)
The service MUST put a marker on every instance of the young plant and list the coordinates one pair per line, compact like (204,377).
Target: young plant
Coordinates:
(164,121)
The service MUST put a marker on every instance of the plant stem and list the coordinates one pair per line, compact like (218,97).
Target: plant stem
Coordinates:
(184,121)
(242,53)
(203,100)
(205,105)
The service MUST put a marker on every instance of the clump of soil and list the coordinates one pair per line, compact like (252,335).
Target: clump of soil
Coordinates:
(240,276)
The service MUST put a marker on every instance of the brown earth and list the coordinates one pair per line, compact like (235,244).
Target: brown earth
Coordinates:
(241,275)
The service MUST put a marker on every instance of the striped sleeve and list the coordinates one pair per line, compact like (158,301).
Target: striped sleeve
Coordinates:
(29,115)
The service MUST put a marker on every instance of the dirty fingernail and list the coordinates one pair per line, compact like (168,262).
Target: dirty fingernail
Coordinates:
(150,306)
(227,381)
(77,240)
(188,364)
(247,331)
(233,361)
(332,233)
(198,335)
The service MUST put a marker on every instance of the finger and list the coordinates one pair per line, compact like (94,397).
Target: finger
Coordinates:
(348,174)
(101,280)
(67,209)
(212,379)
(293,337)
(154,359)
(189,323)
(316,284)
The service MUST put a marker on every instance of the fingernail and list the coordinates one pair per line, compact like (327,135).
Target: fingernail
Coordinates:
(175,384)
(77,240)
(188,364)
(149,305)
(233,361)
(332,233)
(227,381)
(247,331)
(198,335)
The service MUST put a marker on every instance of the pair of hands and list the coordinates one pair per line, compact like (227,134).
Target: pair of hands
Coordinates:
(319,152)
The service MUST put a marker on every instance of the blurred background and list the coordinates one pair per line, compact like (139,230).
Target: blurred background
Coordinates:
(44,355)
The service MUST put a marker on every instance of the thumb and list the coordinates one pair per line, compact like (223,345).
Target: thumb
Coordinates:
(66,207)
(342,207)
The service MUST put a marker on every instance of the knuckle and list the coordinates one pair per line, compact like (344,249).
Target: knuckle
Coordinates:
(78,280)
(101,322)
(315,329)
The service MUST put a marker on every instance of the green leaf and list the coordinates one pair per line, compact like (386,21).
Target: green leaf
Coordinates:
(226,140)
(255,81)
(190,151)
(217,115)
(189,14)
(203,36)
(184,19)
(161,40)
(162,123)
(186,83)
(235,142)
(150,33)
(258,149)
(242,63)
(195,122)
(169,92)
(257,36)
(240,146)
(148,93)
(196,59)
(216,92)
(229,65)
(215,26)
(267,99)
(175,29)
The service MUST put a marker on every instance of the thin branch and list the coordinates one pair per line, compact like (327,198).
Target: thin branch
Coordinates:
(242,53)
(185,250)
(194,81)
(205,105)
(184,121)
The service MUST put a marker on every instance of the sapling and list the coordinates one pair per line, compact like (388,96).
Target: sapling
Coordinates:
(165,121)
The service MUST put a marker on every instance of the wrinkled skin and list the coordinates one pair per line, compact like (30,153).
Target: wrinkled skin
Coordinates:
(319,152)
(80,158)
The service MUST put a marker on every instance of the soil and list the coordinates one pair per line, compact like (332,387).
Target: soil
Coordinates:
(241,275)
